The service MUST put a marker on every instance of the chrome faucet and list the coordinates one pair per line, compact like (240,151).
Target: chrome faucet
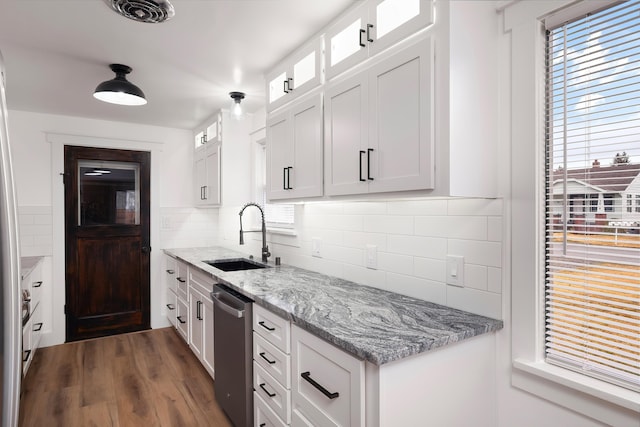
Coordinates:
(265,249)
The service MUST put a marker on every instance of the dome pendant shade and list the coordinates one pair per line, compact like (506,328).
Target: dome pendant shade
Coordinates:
(119,90)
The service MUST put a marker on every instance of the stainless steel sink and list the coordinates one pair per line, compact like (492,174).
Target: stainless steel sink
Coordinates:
(235,264)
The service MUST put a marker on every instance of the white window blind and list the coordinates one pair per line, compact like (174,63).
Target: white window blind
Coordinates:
(592,179)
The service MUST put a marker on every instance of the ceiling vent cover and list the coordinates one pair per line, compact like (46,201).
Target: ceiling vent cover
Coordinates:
(150,11)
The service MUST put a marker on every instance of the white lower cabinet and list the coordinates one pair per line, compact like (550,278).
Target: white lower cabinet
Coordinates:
(201,318)
(32,287)
(327,385)
(271,368)
(171,304)
(182,319)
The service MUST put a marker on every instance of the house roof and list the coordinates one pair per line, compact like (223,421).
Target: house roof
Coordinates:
(615,178)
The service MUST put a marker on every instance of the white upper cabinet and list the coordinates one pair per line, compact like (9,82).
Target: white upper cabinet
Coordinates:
(378,125)
(206,163)
(295,76)
(294,150)
(371,28)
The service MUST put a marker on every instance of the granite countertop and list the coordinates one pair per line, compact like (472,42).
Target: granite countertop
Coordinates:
(373,324)
(27,264)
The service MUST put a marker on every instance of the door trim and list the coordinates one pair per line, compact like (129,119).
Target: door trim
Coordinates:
(58,141)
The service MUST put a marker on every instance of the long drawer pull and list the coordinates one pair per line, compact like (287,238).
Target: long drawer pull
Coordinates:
(270,362)
(27,353)
(307,377)
(261,323)
(267,391)
(171,306)
(180,279)
(37,284)
(37,325)
(180,319)
(170,271)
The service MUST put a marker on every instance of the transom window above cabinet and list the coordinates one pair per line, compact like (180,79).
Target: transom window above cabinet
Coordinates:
(212,133)
(371,28)
(295,75)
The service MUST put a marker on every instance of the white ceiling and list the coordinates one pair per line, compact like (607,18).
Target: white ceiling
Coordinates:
(57,51)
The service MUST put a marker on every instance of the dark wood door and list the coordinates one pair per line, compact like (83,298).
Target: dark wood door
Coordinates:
(107,241)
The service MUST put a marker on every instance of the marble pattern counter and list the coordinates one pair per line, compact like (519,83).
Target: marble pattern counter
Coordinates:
(370,323)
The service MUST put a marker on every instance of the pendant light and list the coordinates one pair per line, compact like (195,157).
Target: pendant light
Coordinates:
(236,108)
(119,90)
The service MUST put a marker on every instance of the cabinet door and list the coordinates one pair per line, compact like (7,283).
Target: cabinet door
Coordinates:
(212,167)
(36,328)
(347,42)
(279,155)
(171,272)
(200,176)
(277,87)
(400,133)
(306,68)
(305,178)
(207,336)
(346,135)
(181,280)
(27,351)
(196,327)
(394,20)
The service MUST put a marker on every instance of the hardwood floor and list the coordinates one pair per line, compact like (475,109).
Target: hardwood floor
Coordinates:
(148,379)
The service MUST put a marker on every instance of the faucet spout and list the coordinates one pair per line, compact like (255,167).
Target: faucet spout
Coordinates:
(265,249)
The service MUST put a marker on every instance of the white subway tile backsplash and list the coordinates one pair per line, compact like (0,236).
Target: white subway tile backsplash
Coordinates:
(494,229)
(418,288)
(330,236)
(365,276)
(476,252)
(388,224)
(359,239)
(475,276)
(456,227)
(475,207)
(494,280)
(36,230)
(365,208)
(323,208)
(475,301)
(428,268)
(336,222)
(343,254)
(395,263)
(417,207)
(428,247)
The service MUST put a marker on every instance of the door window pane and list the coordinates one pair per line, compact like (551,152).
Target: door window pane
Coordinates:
(304,70)
(276,87)
(108,193)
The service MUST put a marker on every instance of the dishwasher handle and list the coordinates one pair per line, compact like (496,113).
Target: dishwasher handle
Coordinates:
(218,301)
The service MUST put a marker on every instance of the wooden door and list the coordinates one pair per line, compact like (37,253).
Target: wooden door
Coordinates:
(107,241)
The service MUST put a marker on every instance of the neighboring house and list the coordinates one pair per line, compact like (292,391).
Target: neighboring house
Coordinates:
(598,196)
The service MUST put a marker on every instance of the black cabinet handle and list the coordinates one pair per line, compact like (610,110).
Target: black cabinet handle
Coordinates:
(369,27)
(26,355)
(360,165)
(39,326)
(270,362)
(369,151)
(261,323)
(204,187)
(284,178)
(289,187)
(199,310)
(360,37)
(171,306)
(180,279)
(170,271)
(263,424)
(307,376)
(267,391)
(37,284)
(289,84)
(285,83)
(180,319)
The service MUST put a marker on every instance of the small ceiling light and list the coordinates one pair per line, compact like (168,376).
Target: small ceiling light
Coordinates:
(236,109)
(149,11)
(119,90)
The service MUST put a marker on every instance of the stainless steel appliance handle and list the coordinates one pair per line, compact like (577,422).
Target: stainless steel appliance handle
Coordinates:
(225,307)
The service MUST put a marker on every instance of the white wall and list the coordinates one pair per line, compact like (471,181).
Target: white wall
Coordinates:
(38,184)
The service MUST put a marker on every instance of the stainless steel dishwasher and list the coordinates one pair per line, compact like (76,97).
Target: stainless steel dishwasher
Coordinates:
(232,353)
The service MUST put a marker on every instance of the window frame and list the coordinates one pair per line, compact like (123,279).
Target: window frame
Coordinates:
(525,53)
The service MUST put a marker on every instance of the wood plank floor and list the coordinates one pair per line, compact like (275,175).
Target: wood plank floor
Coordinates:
(147,379)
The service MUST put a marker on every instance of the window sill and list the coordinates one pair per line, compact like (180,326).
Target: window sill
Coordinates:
(273,230)
(595,398)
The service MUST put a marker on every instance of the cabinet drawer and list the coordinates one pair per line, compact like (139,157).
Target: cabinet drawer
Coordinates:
(273,328)
(36,327)
(201,282)
(273,393)
(327,384)
(182,318)
(181,279)
(263,415)
(171,272)
(172,309)
(273,360)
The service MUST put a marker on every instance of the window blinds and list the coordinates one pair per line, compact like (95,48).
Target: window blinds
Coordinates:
(592,201)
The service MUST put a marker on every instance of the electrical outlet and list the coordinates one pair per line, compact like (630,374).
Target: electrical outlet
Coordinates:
(455,270)
(372,256)
(316,247)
